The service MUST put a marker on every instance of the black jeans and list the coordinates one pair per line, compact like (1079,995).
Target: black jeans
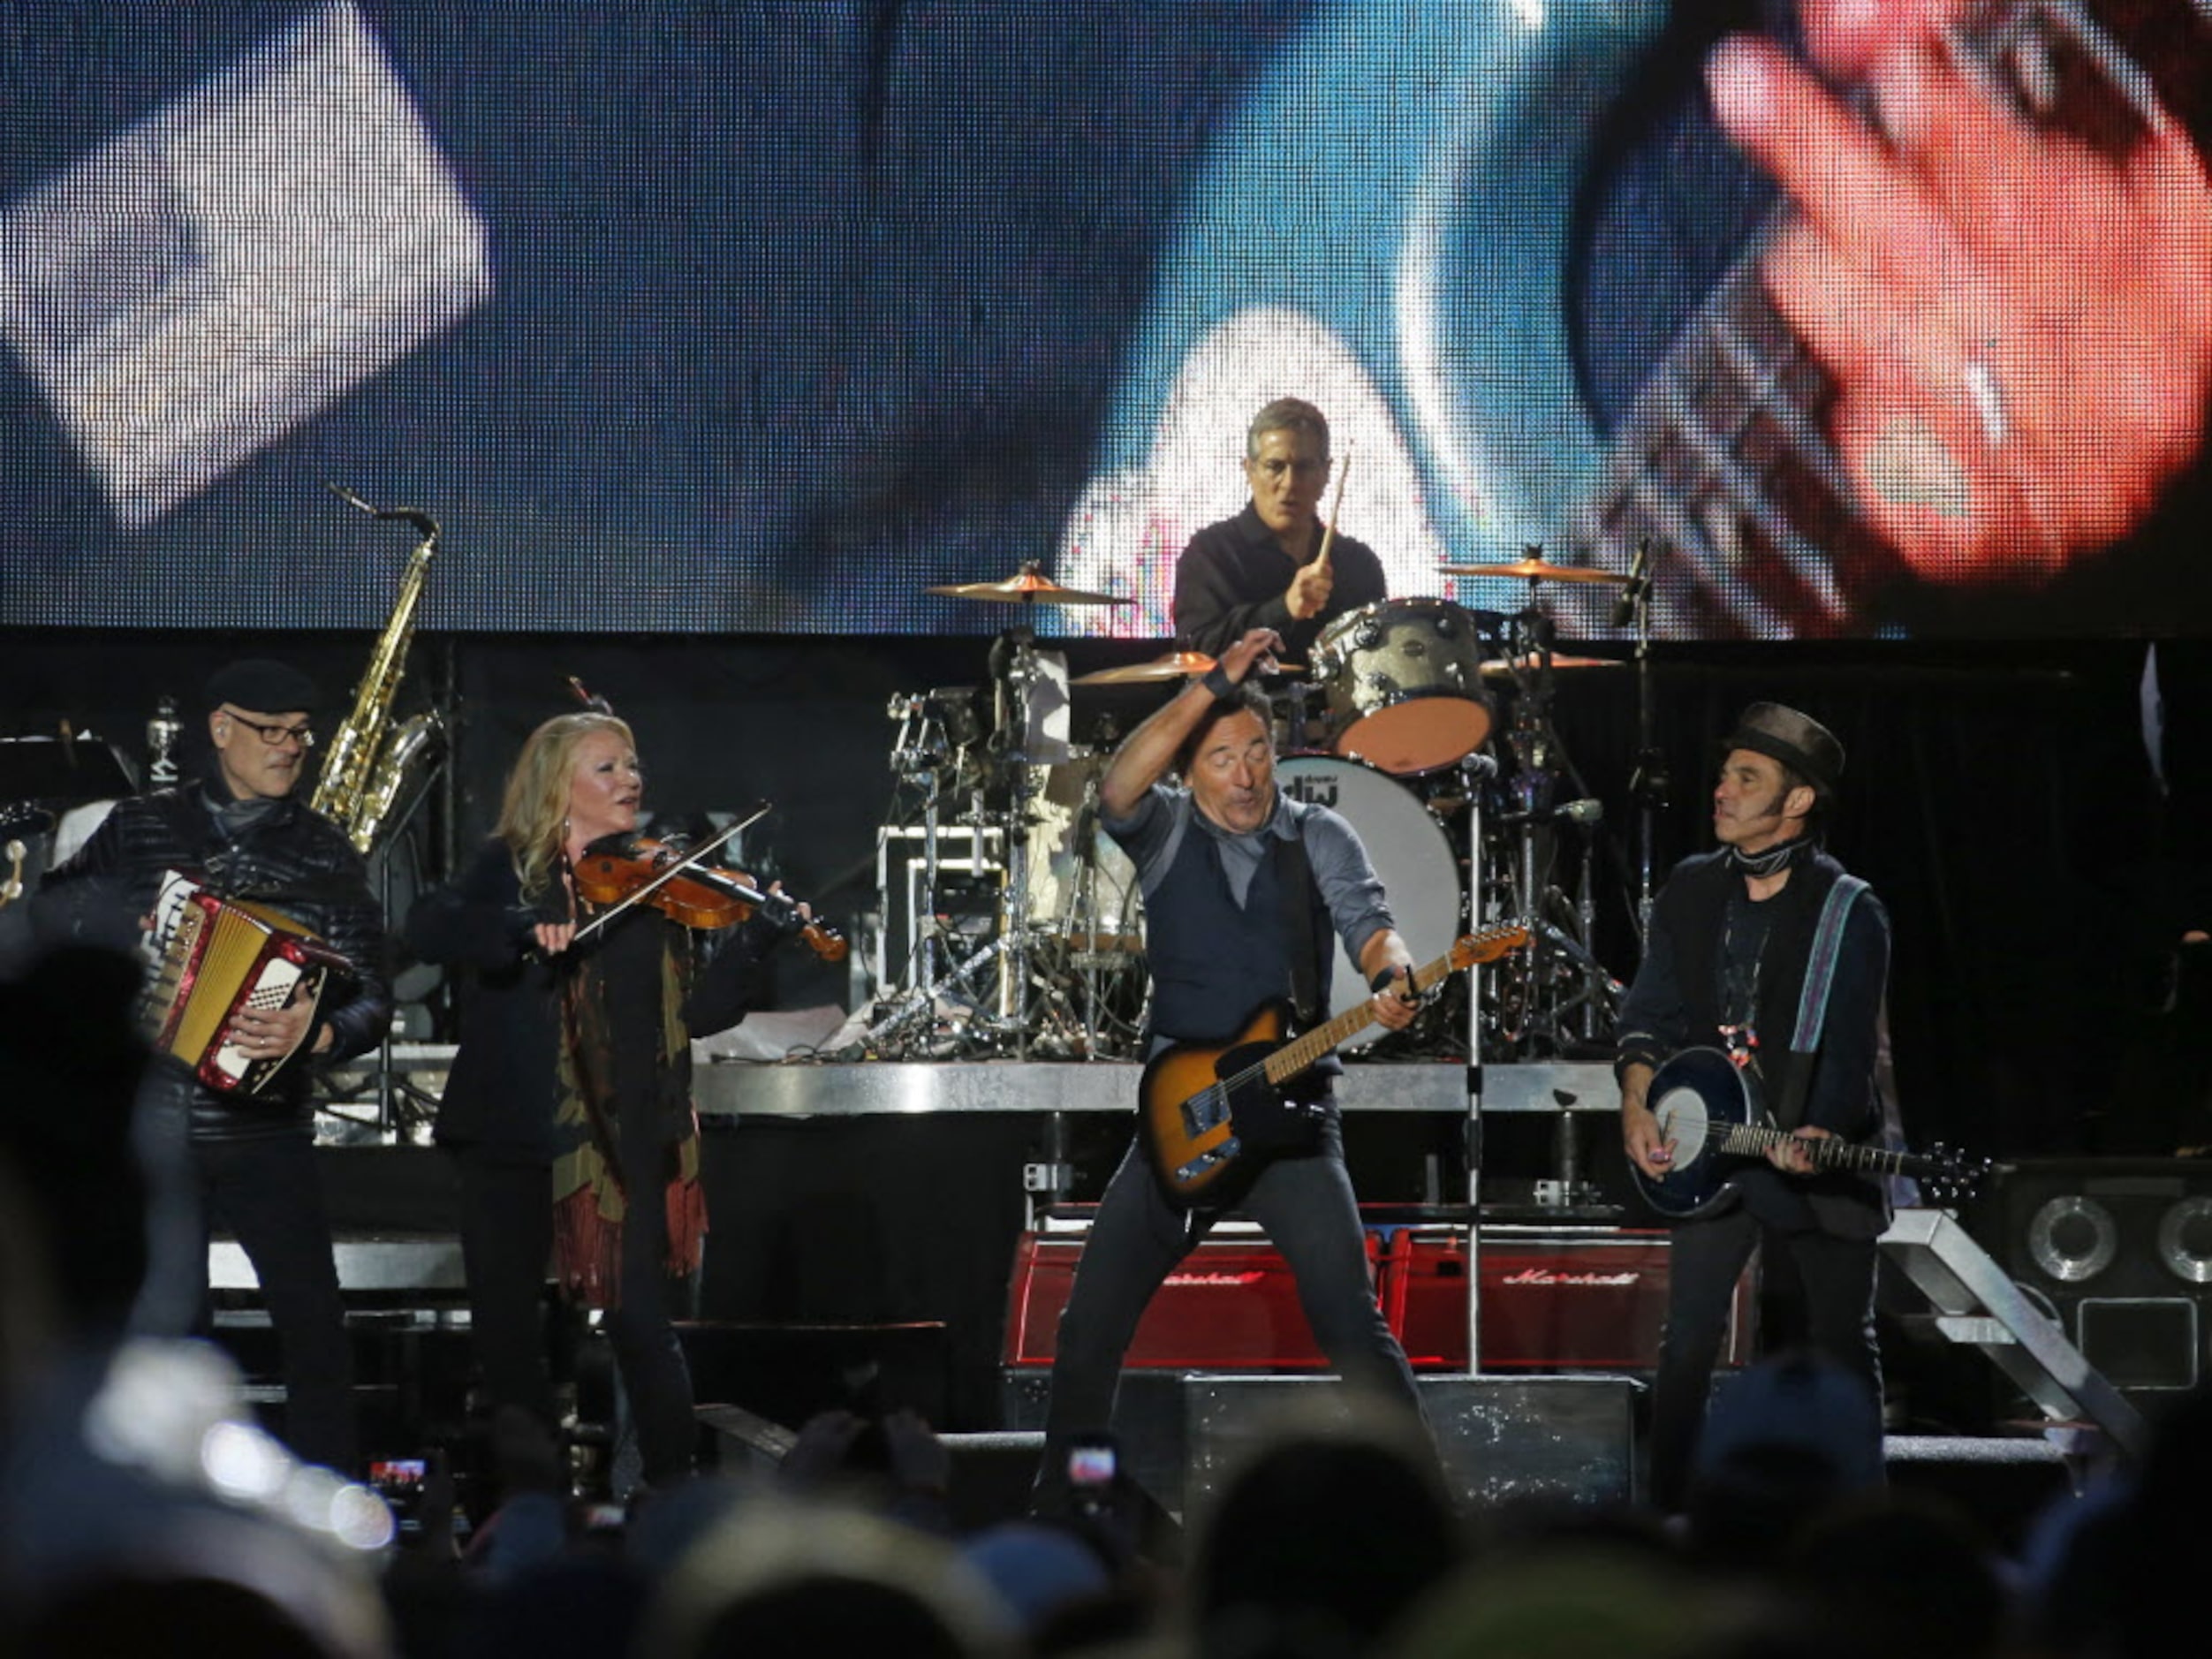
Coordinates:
(1306,1207)
(1706,1259)
(654,1375)
(506,1243)
(268,1192)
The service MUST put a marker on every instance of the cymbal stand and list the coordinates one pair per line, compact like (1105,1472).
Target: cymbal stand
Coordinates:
(1564,992)
(1015,673)
(1530,797)
(920,752)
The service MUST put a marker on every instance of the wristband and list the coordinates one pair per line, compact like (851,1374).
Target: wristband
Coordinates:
(1218,686)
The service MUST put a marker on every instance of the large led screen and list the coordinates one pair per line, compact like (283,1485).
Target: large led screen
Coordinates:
(768,317)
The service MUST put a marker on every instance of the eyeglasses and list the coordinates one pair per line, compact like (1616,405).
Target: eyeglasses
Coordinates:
(273,735)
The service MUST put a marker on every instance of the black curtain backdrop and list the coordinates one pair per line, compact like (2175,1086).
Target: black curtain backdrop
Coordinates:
(2001,800)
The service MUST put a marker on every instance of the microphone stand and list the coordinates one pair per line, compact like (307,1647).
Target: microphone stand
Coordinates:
(1649,784)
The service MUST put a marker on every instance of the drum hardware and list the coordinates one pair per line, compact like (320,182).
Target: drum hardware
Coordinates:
(939,748)
(54,792)
(1556,997)
(12,889)
(1087,950)
(1053,980)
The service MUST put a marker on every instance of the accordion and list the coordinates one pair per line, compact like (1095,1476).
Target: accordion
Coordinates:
(213,958)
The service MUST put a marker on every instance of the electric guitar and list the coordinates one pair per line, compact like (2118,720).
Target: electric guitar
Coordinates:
(1209,1112)
(1710,1108)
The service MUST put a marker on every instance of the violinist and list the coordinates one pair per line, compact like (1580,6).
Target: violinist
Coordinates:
(569,1107)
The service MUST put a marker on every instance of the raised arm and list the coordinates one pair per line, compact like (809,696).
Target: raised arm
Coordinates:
(1147,752)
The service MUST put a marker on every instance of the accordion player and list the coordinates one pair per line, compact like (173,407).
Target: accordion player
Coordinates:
(214,956)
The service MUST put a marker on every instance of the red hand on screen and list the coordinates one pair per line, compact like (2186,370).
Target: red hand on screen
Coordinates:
(2020,327)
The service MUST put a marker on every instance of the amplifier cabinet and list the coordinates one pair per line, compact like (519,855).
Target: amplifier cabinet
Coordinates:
(1566,1298)
(1231,1304)
(1585,1298)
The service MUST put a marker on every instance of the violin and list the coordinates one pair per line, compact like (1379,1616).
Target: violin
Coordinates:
(622,868)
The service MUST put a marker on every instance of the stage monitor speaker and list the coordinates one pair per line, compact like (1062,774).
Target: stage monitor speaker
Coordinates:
(1502,1440)
(2120,1250)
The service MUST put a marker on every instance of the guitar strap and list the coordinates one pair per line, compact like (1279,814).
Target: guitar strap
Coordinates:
(1820,980)
(1295,876)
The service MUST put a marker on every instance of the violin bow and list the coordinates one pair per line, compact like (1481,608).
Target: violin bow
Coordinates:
(675,870)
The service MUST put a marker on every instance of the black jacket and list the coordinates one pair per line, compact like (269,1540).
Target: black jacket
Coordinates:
(500,1093)
(1674,1004)
(292,858)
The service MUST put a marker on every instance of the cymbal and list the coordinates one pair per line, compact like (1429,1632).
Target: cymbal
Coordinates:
(1536,570)
(1501,668)
(1174,665)
(1031,587)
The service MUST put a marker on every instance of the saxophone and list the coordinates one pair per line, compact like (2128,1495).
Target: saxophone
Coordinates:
(371,772)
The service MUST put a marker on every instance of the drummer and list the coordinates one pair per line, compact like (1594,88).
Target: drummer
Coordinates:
(1262,569)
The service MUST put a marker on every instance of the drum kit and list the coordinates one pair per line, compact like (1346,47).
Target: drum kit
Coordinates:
(1019,930)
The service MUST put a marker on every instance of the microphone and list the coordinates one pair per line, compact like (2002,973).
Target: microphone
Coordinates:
(1639,580)
(1478,766)
(1588,811)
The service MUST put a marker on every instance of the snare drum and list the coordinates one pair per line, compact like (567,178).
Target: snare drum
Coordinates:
(1403,681)
(1410,852)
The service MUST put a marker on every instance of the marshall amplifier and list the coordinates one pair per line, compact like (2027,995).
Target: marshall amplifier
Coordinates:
(1232,1305)
(1554,1299)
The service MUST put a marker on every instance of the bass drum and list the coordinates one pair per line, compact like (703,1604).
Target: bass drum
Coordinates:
(1410,852)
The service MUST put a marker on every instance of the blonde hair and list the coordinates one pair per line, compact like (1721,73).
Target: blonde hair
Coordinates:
(534,812)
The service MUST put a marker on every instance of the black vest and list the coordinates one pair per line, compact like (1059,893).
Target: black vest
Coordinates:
(1213,963)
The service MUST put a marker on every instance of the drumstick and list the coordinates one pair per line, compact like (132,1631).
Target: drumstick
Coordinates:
(1329,535)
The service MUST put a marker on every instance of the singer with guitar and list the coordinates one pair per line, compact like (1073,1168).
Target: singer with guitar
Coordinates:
(1242,887)
(1276,565)
(1736,935)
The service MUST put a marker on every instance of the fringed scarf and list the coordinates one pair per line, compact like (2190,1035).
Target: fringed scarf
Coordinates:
(589,1203)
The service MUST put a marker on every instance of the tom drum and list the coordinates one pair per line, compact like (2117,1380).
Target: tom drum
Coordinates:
(1404,683)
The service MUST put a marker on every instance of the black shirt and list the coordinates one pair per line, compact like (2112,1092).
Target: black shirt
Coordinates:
(1232,577)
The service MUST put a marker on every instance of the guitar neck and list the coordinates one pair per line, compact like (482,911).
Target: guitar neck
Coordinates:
(1302,1052)
(1826,1152)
